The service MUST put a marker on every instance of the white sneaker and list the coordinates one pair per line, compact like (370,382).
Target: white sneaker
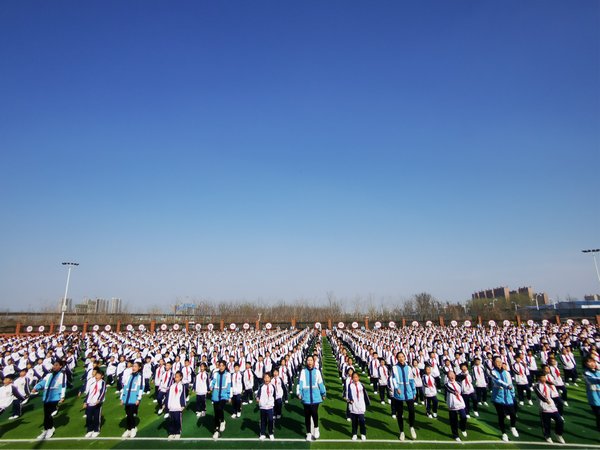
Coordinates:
(485,403)
(435,415)
(354,437)
(348,419)
(222,427)
(429,416)
(574,384)
(505,437)
(55,412)
(43,435)
(160,411)
(521,403)
(464,433)
(244,403)
(272,437)
(171,436)
(317,433)
(198,414)
(363,437)
(529,402)
(166,416)
(88,434)
(475,413)
(239,414)
(13,417)
(234,415)
(390,401)
(203,413)
(262,437)
(560,439)
(132,433)
(155,401)
(457,439)
(566,403)
(177,436)
(402,437)
(308,437)
(383,403)
(549,440)
(50,433)
(126,434)
(250,401)
(468,416)
(95,434)
(413,433)
(216,435)
(393,416)
(514,432)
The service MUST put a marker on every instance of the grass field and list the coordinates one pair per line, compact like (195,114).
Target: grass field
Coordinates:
(382,430)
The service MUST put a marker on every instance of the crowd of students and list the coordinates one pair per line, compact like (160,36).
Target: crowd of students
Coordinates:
(470,365)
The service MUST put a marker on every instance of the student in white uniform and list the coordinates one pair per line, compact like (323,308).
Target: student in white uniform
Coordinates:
(265,396)
(358,399)
(456,406)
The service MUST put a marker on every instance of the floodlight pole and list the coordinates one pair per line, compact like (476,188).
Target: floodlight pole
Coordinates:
(63,308)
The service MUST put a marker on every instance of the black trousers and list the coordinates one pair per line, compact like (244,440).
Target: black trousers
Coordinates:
(375,383)
(522,390)
(131,412)
(175,422)
(311,412)
(278,407)
(237,403)
(200,402)
(219,413)
(596,411)
(571,374)
(266,421)
(247,395)
(559,424)
(92,418)
(502,411)
(431,404)
(420,393)
(358,420)
(470,400)
(49,408)
(410,404)
(458,419)
(16,407)
(382,391)
(481,394)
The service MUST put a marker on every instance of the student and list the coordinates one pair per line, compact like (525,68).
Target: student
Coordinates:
(121,366)
(131,396)
(221,394)
(22,385)
(165,382)
(569,365)
(147,374)
(111,370)
(175,399)
(95,395)
(418,377)
(280,388)
(346,383)
(358,399)
(311,392)
(54,386)
(403,386)
(248,379)
(531,364)
(431,401)
(521,372)
(9,394)
(503,398)
(237,387)
(467,390)
(383,379)
(456,406)
(435,368)
(201,388)
(265,396)
(548,409)
(592,384)
(374,371)
(555,379)
(188,378)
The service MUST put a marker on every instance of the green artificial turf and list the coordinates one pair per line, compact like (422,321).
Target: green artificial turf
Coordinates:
(289,432)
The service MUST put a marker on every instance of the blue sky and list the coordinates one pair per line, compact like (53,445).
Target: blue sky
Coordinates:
(244,150)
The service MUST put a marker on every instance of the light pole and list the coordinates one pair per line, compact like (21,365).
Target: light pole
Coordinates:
(63,308)
(515,306)
(537,304)
(593,251)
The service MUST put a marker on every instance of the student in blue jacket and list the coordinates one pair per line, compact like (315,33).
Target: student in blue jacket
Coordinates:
(131,396)
(54,387)
(591,375)
(311,392)
(503,397)
(402,383)
(221,394)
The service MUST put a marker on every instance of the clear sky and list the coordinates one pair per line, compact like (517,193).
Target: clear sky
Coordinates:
(246,149)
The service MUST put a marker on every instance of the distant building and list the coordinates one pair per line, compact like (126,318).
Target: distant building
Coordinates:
(115,306)
(592,297)
(506,293)
(68,303)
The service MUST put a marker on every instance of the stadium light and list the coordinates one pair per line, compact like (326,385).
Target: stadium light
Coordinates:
(593,251)
(63,308)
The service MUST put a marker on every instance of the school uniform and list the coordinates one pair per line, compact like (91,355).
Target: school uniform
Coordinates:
(358,399)
(201,388)
(311,391)
(549,409)
(418,384)
(468,392)
(280,388)
(237,387)
(93,410)
(147,376)
(131,394)
(403,386)
(430,390)
(592,385)
(481,385)
(503,397)
(164,384)
(384,376)
(221,394)
(265,396)
(248,380)
(569,366)
(187,379)
(175,401)
(22,384)
(456,408)
(521,378)
(374,373)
